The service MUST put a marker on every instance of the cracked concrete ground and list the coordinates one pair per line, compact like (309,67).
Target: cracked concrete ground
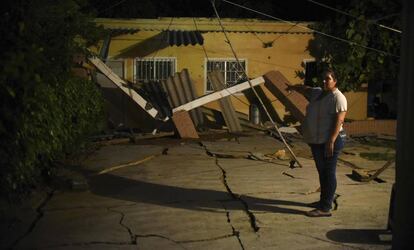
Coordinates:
(190,198)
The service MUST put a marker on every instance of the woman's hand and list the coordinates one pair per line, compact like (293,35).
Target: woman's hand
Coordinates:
(329,149)
(302,89)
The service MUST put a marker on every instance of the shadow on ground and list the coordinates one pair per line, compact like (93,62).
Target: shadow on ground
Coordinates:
(188,198)
(360,236)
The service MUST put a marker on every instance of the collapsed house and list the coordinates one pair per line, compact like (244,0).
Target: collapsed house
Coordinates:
(184,69)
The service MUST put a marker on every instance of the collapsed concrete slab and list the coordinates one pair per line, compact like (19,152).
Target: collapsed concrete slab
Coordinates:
(293,101)
(121,84)
(180,90)
(229,113)
(184,125)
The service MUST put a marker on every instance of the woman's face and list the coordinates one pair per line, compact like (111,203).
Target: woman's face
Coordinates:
(329,83)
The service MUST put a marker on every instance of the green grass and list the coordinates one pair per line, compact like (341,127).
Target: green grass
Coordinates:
(376,142)
(378,156)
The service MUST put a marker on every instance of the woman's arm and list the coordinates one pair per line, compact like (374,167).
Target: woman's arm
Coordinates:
(340,117)
(302,89)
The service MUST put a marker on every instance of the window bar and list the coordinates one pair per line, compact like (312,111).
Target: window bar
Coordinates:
(169,68)
(164,67)
(138,70)
(225,74)
(155,69)
(161,71)
(137,67)
(145,71)
(139,73)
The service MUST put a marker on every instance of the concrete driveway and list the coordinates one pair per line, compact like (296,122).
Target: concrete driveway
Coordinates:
(208,194)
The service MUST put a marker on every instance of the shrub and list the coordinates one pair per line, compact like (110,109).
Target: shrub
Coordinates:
(46,111)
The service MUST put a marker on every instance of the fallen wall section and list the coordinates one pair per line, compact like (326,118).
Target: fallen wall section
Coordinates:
(144,104)
(296,103)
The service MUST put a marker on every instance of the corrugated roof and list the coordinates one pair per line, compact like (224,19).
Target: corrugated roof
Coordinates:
(172,37)
(180,37)
(208,25)
(122,31)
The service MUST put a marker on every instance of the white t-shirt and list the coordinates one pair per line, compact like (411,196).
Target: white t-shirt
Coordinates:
(321,114)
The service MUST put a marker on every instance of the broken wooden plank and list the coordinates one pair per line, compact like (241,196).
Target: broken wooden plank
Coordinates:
(151,136)
(126,165)
(184,125)
(218,95)
(144,104)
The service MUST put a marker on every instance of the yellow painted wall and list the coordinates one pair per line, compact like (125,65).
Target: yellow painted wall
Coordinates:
(286,55)
(357,105)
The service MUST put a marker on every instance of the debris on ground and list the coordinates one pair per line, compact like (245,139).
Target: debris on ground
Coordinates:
(134,163)
(279,154)
(369,175)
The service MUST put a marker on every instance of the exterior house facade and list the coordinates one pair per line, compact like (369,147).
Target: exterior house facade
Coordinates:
(142,50)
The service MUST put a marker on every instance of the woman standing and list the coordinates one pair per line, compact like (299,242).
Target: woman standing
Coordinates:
(322,130)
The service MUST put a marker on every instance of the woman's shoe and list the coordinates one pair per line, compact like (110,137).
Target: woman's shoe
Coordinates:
(313,204)
(318,213)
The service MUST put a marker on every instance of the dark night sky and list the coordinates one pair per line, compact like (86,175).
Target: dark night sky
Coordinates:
(298,10)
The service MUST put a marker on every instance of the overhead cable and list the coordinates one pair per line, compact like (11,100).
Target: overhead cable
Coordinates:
(110,7)
(208,59)
(251,86)
(316,31)
(348,14)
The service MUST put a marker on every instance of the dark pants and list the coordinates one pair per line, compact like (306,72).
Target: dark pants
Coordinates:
(327,171)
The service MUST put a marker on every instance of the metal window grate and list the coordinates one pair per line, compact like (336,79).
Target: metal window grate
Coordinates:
(233,73)
(154,69)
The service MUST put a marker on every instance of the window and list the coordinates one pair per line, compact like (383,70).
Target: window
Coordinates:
(117,67)
(154,69)
(311,72)
(232,71)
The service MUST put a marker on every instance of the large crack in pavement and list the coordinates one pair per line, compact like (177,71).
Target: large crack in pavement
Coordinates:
(131,235)
(251,216)
(40,214)
(234,231)
(134,237)
(90,243)
(178,243)
(181,242)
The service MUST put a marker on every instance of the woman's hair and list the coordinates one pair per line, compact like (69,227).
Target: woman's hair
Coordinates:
(329,72)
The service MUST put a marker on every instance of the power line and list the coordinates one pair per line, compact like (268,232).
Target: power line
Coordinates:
(316,31)
(270,43)
(251,86)
(254,33)
(205,53)
(347,14)
(110,7)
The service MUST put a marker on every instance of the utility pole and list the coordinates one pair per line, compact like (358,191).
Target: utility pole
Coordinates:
(403,225)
